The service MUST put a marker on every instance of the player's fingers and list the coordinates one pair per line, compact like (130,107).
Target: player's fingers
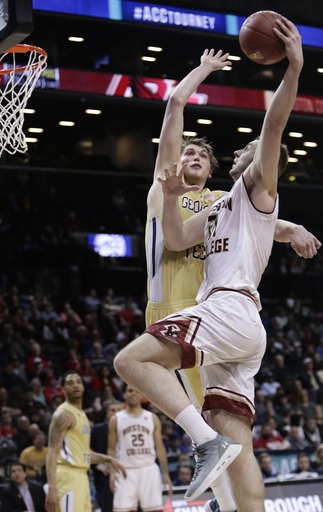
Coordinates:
(317,243)
(211,52)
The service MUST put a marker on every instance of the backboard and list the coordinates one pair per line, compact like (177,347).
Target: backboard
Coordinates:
(16,22)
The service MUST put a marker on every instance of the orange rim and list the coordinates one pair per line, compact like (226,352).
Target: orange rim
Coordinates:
(24,48)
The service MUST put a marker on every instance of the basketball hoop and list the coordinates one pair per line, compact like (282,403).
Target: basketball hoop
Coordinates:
(18,83)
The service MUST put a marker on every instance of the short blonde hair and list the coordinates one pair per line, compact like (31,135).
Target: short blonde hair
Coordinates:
(202,143)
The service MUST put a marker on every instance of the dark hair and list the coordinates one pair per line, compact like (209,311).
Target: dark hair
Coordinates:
(301,455)
(203,143)
(69,372)
(264,455)
(283,159)
(14,464)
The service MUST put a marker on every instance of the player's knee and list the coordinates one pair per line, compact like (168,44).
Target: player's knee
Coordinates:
(121,362)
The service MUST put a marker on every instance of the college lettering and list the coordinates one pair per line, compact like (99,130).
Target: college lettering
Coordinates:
(194,206)
(197,252)
(135,428)
(138,451)
(217,245)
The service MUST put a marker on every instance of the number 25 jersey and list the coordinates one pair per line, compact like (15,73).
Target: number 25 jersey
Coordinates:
(136,447)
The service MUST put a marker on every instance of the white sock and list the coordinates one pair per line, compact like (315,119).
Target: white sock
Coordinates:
(223,493)
(195,426)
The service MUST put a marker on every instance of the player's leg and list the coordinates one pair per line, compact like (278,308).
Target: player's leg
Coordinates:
(125,498)
(247,482)
(73,489)
(148,360)
(150,489)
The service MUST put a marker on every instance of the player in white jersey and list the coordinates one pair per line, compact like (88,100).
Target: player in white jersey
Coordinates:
(174,277)
(135,439)
(226,315)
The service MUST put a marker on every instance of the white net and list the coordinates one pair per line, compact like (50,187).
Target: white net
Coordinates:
(16,86)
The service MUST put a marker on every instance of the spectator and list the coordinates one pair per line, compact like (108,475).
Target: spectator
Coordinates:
(68,314)
(37,389)
(20,495)
(6,405)
(73,361)
(49,313)
(10,380)
(268,441)
(87,372)
(306,406)
(8,451)
(311,432)
(270,386)
(130,312)
(174,448)
(317,464)
(53,333)
(310,379)
(295,440)
(104,378)
(98,355)
(91,301)
(184,475)
(303,464)
(6,428)
(21,437)
(266,466)
(52,389)
(34,359)
(29,404)
(34,458)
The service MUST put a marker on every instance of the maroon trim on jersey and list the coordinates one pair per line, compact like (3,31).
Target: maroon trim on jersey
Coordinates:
(174,329)
(228,404)
(260,211)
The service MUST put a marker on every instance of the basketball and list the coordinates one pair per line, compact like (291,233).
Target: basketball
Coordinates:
(258,41)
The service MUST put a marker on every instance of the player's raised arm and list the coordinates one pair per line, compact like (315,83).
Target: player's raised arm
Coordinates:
(173,123)
(179,235)
(263,173)
(61,421)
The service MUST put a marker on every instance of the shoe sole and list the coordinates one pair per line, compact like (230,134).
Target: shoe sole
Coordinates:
(230,455)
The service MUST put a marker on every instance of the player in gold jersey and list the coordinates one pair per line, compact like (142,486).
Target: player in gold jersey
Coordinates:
(69,455)
(174,277)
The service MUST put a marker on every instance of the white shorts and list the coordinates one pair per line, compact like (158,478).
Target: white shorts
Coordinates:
(225,336)
(142,485)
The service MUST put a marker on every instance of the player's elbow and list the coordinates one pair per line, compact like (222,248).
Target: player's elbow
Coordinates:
(176,100)
(174,245)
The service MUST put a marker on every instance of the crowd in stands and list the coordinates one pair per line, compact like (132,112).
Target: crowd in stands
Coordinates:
(44,332)
(40,340)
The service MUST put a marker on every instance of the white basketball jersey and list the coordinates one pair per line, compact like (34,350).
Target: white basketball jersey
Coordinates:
(238,241)
(136,447)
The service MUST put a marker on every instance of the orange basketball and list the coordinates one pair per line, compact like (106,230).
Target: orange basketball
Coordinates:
(258,41)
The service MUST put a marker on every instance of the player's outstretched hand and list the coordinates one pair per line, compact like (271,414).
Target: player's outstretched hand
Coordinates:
(215,60)
(304,243)
(117,466)
(174,184)
(292,39)
(168,484)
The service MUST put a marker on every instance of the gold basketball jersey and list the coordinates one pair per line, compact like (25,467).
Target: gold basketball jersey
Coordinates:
(75,450)
(174,277)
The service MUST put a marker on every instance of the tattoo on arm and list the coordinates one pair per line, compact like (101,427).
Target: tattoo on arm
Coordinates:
(58,427)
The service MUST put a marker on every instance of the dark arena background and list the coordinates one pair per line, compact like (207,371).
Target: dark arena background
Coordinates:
(73,212)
